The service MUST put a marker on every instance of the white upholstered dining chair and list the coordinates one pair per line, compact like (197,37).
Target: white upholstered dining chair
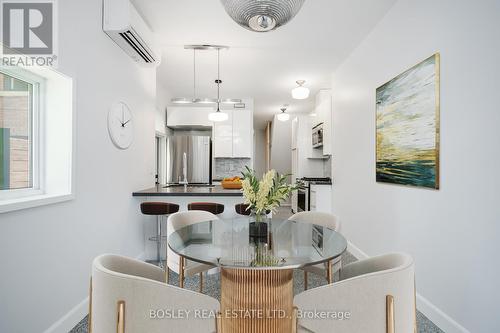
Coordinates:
(326,220)
(124,291)
(185,267)
(379,294)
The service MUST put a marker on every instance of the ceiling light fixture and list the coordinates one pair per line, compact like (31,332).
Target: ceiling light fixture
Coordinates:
(218,115)
(300,92)
(262,15)
(194,99)
(283,116)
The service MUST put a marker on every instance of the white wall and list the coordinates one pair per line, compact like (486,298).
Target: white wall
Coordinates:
(163,97)
(46,252)
(453,233)
(259,151)
(281,145)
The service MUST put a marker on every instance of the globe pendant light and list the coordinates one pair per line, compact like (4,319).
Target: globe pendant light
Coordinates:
(283,116)
(262,15)
(218,116)
(300,92)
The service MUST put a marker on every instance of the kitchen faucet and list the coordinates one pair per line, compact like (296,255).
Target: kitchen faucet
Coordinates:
(184,169)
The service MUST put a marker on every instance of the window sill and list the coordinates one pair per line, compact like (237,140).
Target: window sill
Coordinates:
(10,205)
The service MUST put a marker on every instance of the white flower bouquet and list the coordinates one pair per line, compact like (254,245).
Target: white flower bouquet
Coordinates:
(266,194)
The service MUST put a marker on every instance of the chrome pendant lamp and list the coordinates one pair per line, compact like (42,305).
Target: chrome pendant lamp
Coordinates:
(262,15)
(218,115)
(194,99)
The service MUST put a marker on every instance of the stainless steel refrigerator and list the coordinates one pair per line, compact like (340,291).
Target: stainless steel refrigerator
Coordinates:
(194,153)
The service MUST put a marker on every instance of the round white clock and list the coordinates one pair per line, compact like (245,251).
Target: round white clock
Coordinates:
(120,125)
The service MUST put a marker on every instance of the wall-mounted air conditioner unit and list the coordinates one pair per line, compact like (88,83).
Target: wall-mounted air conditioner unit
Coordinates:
(127,28)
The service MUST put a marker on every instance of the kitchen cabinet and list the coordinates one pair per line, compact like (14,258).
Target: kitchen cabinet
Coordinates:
(303,164)
(323,111)
(188,116)
(223,146)
(321,198)
(242,133)
(233,138)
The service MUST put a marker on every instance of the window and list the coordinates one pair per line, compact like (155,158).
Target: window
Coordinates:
(19,105)
(36,137)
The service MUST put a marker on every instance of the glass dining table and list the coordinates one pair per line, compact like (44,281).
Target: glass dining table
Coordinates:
(256,264)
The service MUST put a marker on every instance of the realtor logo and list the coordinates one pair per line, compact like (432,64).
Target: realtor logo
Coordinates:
(29,33)
(28,27)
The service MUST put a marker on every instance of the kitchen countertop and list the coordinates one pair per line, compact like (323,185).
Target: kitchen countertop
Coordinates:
(189,191)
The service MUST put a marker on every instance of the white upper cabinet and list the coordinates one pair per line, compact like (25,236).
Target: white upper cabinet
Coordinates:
(223,146)
(234,137)
(188,116)
(323,112)
(242,133)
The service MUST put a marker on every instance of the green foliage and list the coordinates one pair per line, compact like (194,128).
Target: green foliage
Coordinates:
(268,193)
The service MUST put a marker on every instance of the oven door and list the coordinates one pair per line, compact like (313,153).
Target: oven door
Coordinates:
(303,200)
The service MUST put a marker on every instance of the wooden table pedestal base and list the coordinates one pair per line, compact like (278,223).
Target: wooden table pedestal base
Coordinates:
(256,301)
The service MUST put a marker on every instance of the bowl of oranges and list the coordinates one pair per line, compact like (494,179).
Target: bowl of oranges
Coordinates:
(231,183)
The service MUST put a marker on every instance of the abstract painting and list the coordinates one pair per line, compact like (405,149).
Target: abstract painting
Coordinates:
(407,125)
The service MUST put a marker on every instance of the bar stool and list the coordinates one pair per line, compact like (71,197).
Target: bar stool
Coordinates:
(158,209)
(212,207)
(241,209)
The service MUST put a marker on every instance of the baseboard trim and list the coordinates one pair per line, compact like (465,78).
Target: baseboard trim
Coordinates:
(356,251)
(70,319)
(436,315)
(67,322)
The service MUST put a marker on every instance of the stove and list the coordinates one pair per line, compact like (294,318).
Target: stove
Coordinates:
(317,180)
(303,194)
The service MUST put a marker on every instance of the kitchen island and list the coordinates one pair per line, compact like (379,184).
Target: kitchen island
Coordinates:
(183,195)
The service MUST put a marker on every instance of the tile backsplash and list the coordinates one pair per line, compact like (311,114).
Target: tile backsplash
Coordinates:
(229,167)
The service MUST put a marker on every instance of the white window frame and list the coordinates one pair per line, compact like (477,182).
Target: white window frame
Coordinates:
(36,134)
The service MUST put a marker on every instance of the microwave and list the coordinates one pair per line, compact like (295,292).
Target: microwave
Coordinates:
(317,136)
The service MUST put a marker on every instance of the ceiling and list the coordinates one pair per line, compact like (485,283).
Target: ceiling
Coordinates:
(263,66)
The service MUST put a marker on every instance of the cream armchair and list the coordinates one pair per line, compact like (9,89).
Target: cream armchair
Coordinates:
(180,265)
(326,220)
(128,295)
(378,293)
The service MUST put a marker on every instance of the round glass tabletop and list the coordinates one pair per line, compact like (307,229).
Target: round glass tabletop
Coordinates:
(276,244)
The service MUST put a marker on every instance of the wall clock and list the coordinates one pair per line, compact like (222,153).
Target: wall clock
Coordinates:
(120,125)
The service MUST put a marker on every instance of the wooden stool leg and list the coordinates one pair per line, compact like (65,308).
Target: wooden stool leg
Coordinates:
(181,272)
(305,280)
(201,282)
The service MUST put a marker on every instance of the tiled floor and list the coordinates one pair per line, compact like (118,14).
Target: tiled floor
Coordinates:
(211,287)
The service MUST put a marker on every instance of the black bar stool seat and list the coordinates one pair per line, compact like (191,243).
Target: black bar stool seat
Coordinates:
(159,208)
(212,207)
(241,209)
